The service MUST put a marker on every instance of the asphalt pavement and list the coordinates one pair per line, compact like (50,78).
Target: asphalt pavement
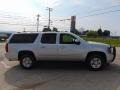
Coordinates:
(58,76)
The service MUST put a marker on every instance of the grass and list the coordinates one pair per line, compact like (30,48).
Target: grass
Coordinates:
(111,41)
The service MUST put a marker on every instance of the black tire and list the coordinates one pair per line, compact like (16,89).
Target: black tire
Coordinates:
(27,61)
(95,62)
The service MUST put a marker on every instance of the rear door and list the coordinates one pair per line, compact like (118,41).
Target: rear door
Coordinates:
(48,47)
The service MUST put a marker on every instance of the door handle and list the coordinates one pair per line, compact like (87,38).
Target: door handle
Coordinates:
(42,46)
(62,47)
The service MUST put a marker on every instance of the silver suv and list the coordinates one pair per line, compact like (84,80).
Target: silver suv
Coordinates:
(28,48)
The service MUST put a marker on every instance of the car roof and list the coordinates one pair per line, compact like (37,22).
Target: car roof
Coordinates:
(38,32)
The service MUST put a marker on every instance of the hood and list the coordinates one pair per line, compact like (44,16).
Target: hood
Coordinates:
(98,44)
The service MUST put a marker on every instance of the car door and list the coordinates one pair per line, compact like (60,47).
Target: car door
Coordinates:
(48,47)
(68,50)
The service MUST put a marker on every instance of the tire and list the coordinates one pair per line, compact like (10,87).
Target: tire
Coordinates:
(27,61)
(96,62)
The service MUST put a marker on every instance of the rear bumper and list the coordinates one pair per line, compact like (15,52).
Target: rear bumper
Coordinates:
(6,55)
(10,58)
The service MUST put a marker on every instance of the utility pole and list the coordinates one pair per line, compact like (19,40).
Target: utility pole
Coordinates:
(24,30)
(38,22)
(49,9)
(73,23)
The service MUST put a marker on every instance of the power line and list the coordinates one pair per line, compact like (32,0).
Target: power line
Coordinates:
(101,13)
(17,24)
(14,17)
(6,14)
(96,11)
(63,19)
(11,16)
(17,17)
(103,8)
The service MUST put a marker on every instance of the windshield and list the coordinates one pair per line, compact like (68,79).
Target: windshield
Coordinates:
(81,39)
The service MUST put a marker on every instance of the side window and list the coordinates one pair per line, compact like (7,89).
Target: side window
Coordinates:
(48,38)
(23,38)
(66,39)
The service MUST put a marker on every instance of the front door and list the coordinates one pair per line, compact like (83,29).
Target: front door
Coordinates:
(68,50)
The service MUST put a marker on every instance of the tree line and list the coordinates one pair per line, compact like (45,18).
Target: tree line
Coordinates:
(88,33)
(99,32)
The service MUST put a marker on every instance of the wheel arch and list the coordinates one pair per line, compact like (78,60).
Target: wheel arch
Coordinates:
(23,52)
(96,53)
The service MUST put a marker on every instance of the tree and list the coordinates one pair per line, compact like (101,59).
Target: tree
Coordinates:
(85,32)
(76,32)
(46,29)
(91,34)
(106,33)
(100,33)
(55,29)
(81,30)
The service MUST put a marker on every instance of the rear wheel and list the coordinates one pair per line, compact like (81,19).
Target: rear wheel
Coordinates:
(27,61)
(95,62)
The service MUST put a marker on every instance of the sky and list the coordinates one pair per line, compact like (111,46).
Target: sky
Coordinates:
(21,14)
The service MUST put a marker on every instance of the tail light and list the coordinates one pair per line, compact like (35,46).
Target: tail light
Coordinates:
(6,47)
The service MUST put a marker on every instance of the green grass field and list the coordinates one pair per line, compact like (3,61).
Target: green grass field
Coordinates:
(111,41)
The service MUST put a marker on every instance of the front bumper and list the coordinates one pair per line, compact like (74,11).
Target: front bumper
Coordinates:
(114,54)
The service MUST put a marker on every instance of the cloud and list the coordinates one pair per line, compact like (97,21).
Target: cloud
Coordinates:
(17,6)
(48,3)
(116,1)
(77,2)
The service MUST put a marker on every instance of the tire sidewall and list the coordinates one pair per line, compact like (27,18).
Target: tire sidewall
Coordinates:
(96,56)
(31,58)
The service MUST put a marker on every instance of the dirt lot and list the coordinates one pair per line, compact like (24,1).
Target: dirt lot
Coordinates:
(57,76)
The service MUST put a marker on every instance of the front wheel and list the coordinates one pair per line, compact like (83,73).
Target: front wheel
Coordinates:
(95,62)
(27,61)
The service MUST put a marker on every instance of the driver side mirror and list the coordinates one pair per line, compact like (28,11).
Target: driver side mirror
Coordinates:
(77,42)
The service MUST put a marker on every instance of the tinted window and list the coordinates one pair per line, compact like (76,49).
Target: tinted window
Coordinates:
(48,38)
(23,38)
(67,39)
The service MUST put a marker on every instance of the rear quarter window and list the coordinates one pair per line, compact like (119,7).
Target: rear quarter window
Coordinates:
(23,38)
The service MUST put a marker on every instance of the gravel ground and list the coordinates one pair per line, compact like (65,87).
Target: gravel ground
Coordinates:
(57,76)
